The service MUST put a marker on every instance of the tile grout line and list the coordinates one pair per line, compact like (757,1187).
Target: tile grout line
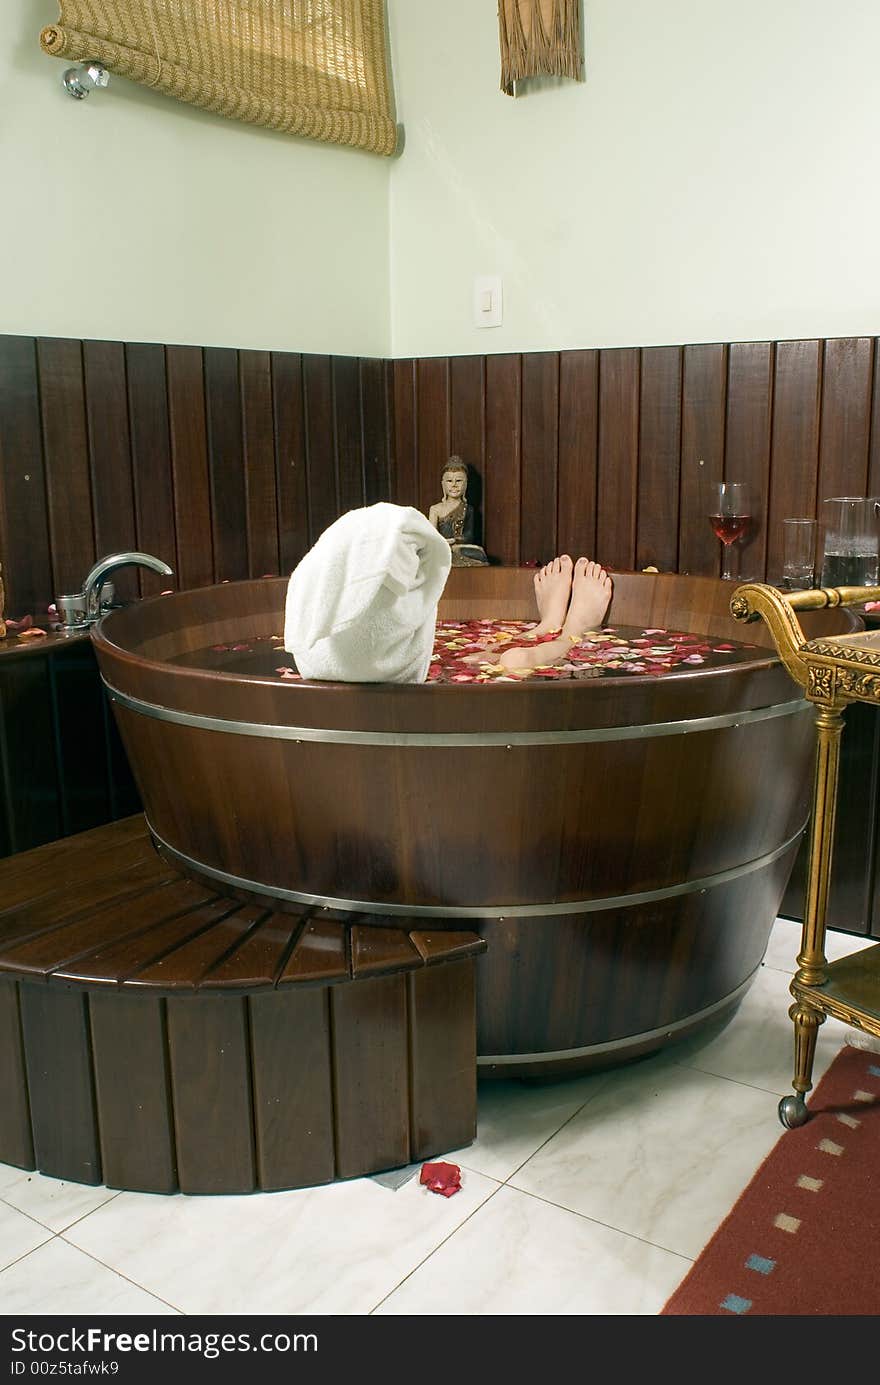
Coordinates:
(60,1236)
(56,1236)
(119,1275)
(76,1221)
(24,1255)
(438,1246)
(560,1207)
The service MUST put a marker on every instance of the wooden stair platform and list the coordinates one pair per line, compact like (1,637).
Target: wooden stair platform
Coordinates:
(158,1036)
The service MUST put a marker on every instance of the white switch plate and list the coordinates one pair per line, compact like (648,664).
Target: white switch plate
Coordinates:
(488,305)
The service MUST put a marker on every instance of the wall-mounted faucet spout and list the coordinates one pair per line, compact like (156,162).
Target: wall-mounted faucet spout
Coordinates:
(98,575)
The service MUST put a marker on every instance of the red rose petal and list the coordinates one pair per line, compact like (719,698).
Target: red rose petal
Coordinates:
(441,1178)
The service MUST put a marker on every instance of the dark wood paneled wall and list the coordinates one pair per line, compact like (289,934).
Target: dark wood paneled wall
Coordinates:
(224,463)
(611,452)
(230,463)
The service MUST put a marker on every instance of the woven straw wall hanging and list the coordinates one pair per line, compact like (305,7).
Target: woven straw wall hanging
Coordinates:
(539,38)
(316,68)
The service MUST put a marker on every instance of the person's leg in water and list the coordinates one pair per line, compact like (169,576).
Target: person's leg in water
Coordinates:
(552,594)
(590,595)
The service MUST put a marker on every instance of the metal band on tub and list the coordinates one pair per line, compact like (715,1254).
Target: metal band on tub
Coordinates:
(474,911)
(446,739)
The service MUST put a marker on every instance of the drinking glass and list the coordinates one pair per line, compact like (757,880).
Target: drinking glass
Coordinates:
(730,516)
(798,554)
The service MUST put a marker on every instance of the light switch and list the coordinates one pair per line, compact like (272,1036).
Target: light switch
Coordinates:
(487,301)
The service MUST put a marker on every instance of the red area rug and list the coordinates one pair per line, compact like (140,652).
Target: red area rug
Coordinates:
(804,1237)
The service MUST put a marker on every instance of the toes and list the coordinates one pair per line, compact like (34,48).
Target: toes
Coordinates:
(585,569)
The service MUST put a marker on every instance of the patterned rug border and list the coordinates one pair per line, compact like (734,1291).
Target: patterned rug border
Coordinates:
(803,1238)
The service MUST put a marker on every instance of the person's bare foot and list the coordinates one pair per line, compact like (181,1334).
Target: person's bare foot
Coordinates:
(590,595)
(552,591)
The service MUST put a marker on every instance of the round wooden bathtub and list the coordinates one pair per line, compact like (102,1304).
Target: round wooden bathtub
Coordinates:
(623,844)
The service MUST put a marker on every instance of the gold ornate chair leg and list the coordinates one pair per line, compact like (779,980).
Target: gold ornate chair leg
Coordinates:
(811,959)
(793,1109)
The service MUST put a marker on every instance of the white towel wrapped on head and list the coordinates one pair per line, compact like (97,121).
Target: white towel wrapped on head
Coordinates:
(362,605)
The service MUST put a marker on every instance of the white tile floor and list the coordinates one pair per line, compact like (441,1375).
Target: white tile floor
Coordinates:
(589,1196)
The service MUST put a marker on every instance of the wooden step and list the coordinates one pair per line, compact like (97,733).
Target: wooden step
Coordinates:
(160,1037)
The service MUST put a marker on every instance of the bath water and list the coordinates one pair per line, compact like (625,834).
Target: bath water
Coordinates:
(612,652)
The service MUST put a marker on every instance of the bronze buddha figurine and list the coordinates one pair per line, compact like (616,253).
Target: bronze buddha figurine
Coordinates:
(456,519)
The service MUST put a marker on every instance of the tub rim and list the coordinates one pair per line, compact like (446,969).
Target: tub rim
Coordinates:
(105,639)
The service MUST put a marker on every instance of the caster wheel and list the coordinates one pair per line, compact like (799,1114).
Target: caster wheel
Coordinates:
(793,1112)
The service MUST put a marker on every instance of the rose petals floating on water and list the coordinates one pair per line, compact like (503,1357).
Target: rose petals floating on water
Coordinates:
(470,652)
(441,1178)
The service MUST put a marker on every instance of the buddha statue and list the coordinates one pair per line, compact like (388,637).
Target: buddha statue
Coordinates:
(456,519)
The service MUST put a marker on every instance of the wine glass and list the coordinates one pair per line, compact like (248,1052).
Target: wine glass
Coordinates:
(729,516)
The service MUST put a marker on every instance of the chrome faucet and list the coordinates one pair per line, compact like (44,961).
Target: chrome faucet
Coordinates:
(79,611)
(98,575)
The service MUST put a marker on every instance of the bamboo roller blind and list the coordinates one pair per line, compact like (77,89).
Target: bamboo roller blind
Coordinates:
(316,68)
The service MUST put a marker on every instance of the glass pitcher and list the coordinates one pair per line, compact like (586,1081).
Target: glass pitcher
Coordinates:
(852,541)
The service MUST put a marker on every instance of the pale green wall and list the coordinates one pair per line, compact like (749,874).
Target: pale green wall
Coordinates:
(129,216)
(715,177)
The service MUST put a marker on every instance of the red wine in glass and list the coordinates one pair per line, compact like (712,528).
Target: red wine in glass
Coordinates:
(730,517)
(729,528)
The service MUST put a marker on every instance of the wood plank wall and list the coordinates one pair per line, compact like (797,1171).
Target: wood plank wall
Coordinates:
(224,463)
(230,463)
(611,452)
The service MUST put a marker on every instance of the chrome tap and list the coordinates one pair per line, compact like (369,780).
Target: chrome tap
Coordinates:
(98,575)
(79,610)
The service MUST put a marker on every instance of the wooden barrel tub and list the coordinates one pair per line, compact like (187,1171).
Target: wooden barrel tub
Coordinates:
(622,843)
